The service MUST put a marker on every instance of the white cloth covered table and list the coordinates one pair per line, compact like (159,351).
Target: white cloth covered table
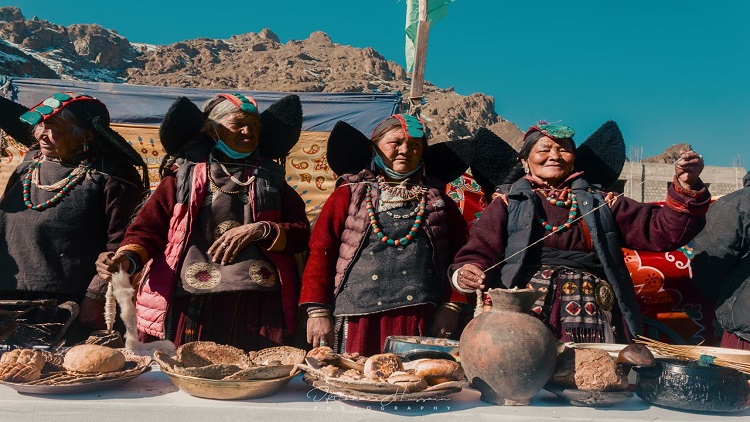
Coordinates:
(151,397)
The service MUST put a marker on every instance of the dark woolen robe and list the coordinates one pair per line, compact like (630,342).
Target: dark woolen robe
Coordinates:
(51,254)
(643,226)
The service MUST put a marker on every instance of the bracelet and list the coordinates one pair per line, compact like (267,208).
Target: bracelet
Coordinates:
(319,315)
(266,230)
(452,306)
(133,265)
(319,311)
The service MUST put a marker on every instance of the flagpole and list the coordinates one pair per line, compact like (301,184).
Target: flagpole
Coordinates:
(420,56)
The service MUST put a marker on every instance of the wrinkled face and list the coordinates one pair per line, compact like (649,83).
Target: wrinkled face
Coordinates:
(399,152)
(57,140)
(551,161)
(239,130)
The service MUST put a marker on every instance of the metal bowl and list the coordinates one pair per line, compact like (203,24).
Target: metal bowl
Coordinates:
(413,347)
(688,385)
(228,389)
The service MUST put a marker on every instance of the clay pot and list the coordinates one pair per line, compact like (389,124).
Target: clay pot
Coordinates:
(507,354)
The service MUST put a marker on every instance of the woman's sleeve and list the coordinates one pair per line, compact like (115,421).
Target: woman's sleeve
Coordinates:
(320,270)
(487,238)
(147,235)
(457,235)
(650,227)
(293,232)
(123,194)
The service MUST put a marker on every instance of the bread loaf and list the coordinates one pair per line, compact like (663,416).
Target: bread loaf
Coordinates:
(204,353)
(437,371)
(18,372)
(382,365)
(589,369)
(31,357)
(410,382)
(92,359)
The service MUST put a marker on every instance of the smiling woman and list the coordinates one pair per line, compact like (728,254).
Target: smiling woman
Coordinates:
(555,230)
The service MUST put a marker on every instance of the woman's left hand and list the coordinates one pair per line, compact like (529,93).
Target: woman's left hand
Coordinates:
(444,323)
(229,244)
(687,168)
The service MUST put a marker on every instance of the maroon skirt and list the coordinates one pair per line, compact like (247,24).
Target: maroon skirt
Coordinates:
(366,334)
(248,320)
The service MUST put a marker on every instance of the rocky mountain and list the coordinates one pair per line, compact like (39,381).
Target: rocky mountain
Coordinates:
(41,49)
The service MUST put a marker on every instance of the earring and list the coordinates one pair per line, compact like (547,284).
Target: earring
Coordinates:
(85,147)
(526,169)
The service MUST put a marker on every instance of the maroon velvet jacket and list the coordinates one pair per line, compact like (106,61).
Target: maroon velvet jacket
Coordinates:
(150,227)
(643,226)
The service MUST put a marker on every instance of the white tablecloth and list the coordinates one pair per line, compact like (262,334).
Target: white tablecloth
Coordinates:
(151,397)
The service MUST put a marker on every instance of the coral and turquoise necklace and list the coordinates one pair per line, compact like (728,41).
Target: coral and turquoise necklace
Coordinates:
(566,198)
(62,187)
(403,241)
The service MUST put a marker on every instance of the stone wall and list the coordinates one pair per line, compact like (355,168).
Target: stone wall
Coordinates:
(648,182)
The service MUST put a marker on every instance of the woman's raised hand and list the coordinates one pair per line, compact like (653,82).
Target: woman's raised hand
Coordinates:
(108,263)
(687,168)
(470,277)
(225,249)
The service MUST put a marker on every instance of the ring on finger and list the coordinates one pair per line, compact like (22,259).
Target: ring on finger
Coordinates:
(225,244)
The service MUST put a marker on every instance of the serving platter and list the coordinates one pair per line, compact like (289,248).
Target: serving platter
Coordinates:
(55,380)
(342,392)
(586,398)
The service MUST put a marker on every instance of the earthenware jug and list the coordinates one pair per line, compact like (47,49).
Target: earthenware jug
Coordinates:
(507,354)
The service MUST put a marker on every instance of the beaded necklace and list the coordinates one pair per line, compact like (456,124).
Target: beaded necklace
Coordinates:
(400,192)
(62,187)
(566,198)
(403,241)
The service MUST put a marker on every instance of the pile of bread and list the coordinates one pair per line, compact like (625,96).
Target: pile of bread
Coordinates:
(28,365)
(210,360)
(385,368)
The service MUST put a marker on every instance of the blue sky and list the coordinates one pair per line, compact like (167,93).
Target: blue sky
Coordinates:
(667,71)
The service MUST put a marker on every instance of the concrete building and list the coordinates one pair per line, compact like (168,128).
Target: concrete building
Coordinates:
(648,182)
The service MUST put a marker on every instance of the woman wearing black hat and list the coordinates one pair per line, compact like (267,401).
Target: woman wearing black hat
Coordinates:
(381,245)
(554,229)
(220,232)
(69,200)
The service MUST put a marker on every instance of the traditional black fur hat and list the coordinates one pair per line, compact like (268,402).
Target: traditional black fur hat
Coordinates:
(281,125)
(601,157)
(349,151)
(17,121)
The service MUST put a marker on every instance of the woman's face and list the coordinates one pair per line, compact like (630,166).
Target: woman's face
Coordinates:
(550,160)
(56,139)
(399,152)
(239,130)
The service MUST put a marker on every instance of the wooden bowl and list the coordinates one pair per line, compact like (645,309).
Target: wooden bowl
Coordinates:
(228,389)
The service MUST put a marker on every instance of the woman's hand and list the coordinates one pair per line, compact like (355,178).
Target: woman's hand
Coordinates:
(92,313)
(687,168)
(320,331)
(444,322)
(229,244)
(470,277)
(108,263)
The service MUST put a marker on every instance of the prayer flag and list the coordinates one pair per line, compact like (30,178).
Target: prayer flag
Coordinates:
(436,10)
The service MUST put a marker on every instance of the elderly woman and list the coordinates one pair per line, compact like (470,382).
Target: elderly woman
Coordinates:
(381,245)
(220,231)
(69,200)
(554,230)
